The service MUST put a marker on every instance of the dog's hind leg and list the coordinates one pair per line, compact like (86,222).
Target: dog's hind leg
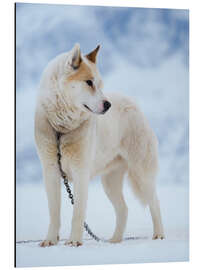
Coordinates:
(156,217)
(139,148)
(113,184)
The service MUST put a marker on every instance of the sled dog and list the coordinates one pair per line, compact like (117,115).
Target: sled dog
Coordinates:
(103,135)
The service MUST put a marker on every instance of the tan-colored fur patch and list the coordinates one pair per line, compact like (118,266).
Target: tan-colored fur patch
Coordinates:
(82,74)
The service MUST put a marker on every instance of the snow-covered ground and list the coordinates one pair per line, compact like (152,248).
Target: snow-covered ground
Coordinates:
(32,222)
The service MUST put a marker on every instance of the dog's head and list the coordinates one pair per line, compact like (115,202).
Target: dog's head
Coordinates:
(82,83)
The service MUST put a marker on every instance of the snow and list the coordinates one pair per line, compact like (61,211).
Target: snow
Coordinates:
(32,222)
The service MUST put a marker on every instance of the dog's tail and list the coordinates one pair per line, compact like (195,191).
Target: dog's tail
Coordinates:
(142,187)
(141,152)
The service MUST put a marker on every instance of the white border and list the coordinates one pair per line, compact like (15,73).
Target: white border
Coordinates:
(196,130)
(130,3)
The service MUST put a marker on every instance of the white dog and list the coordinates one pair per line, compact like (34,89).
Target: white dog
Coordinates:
(105,135)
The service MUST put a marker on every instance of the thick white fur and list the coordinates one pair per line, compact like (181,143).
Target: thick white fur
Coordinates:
(111,145)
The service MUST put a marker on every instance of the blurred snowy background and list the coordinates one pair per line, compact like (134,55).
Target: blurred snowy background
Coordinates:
(144,54)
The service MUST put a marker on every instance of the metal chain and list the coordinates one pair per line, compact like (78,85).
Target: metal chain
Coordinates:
(63,174)
(65,181)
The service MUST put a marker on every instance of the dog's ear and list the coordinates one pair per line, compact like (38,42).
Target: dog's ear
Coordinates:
(76,57)
(92,56)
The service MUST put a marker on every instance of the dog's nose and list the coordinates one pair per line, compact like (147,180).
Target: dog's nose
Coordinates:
(107,105)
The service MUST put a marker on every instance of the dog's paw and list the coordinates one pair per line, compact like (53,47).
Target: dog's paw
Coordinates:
(48,243)
(115,240)
(73,243)
(157,236)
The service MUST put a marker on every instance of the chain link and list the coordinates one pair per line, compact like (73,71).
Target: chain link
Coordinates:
(68,189)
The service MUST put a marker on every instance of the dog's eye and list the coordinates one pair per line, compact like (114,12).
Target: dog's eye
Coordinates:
(89,82)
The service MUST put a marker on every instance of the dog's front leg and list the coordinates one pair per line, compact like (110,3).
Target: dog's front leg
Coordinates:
(45,138)
(80,182)
(52,184)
